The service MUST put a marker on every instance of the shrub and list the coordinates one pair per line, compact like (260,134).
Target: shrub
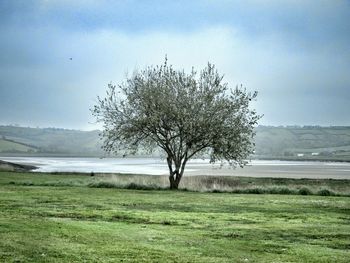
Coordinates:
(142,187)
(281,191)
(134,186)
(304,191)
(325,192)
(254,191)
(102,184)
(217,191)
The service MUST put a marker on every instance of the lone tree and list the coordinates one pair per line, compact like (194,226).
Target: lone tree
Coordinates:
(183,114)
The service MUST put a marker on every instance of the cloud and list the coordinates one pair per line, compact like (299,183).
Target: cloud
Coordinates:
(301,73)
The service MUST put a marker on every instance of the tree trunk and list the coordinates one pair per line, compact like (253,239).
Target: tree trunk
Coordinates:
(175,176)
(174,182)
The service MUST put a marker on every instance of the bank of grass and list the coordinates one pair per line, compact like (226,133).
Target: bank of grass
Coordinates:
(216,184)
(57,218)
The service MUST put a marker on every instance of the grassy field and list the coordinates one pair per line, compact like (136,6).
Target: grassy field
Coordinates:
(58,218)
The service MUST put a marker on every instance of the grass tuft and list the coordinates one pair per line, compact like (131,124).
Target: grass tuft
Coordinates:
(142,187)
(102,184)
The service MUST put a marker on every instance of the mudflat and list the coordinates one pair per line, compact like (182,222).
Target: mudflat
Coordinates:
(278,169)
(9,166)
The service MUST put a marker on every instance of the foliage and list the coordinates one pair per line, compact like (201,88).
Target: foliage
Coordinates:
(183,114)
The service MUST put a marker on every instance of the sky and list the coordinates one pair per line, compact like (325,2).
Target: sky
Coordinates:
(296,54)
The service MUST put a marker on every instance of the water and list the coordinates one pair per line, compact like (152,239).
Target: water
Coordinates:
(157,166)
(105,165)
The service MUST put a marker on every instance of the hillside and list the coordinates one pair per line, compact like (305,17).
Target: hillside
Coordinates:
(11,146)
(307,142)
(39,141)
(291,142)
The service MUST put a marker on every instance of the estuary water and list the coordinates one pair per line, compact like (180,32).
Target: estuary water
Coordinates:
(158,166)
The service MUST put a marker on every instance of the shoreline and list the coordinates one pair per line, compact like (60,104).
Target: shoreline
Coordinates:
(16,167)
(155,166)
(256,158)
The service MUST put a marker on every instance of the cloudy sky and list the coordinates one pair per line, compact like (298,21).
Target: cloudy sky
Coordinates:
(296,54)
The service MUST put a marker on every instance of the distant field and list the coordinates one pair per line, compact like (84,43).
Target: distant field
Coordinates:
(82,224)
(54,141)
(9,146)
(308,142)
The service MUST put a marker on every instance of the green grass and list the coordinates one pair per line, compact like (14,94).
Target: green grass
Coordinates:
(217,184)
(70,222)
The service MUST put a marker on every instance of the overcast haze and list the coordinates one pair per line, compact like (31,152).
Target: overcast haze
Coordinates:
(296,54)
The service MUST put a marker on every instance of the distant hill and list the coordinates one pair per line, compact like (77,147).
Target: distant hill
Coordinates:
(306,142)
(51,141)
(291,142)
(7,145)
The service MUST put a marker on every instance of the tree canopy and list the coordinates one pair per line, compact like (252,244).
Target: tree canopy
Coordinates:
(184,114)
